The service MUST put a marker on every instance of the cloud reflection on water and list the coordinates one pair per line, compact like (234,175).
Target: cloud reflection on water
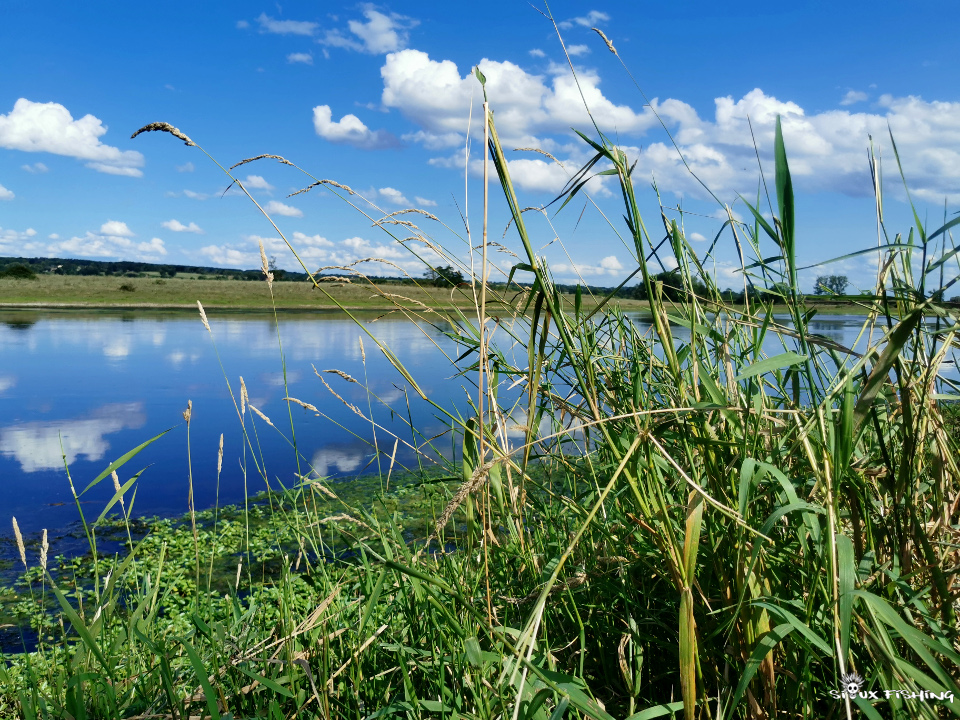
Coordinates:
(37,445)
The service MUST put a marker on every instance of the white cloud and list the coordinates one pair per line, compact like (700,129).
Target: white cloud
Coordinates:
(381,33)
(278,208)
(153,248)
(303,58)
(436,97)
(424,202)
(537,53)
(115,228)
(256,182)
(286,27)
(6,194)
(49,127)
(186,167)
(609,265)
(826,150)
(227,256)
(53,236)
(178,226)
(853,97)
(350,130)
(13,242)
(577,50)
(696,237)
(591,19)
(195,195)
(36,169)
(7,382)
(242,24)
(393,196)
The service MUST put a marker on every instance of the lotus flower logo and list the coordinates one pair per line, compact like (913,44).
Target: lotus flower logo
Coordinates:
(851,683)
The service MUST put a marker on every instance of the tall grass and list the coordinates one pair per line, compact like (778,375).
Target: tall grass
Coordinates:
(691,525)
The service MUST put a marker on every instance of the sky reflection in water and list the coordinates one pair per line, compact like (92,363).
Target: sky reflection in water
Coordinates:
(92,386)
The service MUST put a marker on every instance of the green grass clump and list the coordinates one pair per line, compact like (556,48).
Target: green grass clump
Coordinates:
(698,527)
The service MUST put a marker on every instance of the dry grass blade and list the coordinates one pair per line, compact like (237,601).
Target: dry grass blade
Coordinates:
(164,127)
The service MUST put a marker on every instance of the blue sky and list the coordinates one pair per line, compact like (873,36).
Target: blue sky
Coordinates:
(377,97)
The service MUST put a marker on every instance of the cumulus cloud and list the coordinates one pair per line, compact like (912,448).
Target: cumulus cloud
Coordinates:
(256,182)
(381,33)
(19,243)
(537,53)
(278,208)
(853,97)
(350,130)
(6,194)
(49,127)
(116,228)
(286,27)
(696,237)
(35,169)
(186,167)
(425,202)
(393,196)
(178,226)
(435,96)
(302,58)
(577,50)
(242,24)
(826,150)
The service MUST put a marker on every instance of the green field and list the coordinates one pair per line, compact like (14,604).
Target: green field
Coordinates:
(58,291)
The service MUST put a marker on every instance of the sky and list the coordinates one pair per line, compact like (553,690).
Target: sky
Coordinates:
(381,98)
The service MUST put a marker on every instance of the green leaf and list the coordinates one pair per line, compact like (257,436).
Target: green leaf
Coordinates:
(122,460)
(764,647)
(785,202)
(847,572)
(202,673)
(879,375)
(266,682)
(777,362)
(117,495)
(658,711)
(798,625)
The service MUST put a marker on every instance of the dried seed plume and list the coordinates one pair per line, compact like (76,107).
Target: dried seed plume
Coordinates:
(188,413)
(203,317)
(19,537)
(164,127)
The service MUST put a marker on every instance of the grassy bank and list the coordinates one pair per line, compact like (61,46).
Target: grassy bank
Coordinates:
(699,528)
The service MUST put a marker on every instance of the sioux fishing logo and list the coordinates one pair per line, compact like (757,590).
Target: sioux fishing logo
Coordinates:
(851,687)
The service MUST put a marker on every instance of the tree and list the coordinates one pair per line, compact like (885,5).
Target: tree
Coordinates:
(19,271)
(444,276)
(831,285)
(673,286)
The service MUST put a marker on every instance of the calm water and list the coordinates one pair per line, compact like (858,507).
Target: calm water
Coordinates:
(92,386)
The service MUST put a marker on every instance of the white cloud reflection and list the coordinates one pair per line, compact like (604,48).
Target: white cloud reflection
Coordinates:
(36,445)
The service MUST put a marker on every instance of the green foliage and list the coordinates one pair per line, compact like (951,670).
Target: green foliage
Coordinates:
(444,276)
(18,271)
(830,285)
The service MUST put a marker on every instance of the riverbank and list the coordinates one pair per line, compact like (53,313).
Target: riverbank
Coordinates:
(153,293)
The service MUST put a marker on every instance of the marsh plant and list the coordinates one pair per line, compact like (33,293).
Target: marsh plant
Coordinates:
(690,525)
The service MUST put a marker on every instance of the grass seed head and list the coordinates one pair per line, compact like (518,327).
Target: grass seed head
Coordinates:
(188,412)
(164,127)
(610,46)
(220,455)
(44,546)
(19,537)
(203,317)
(244,397)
